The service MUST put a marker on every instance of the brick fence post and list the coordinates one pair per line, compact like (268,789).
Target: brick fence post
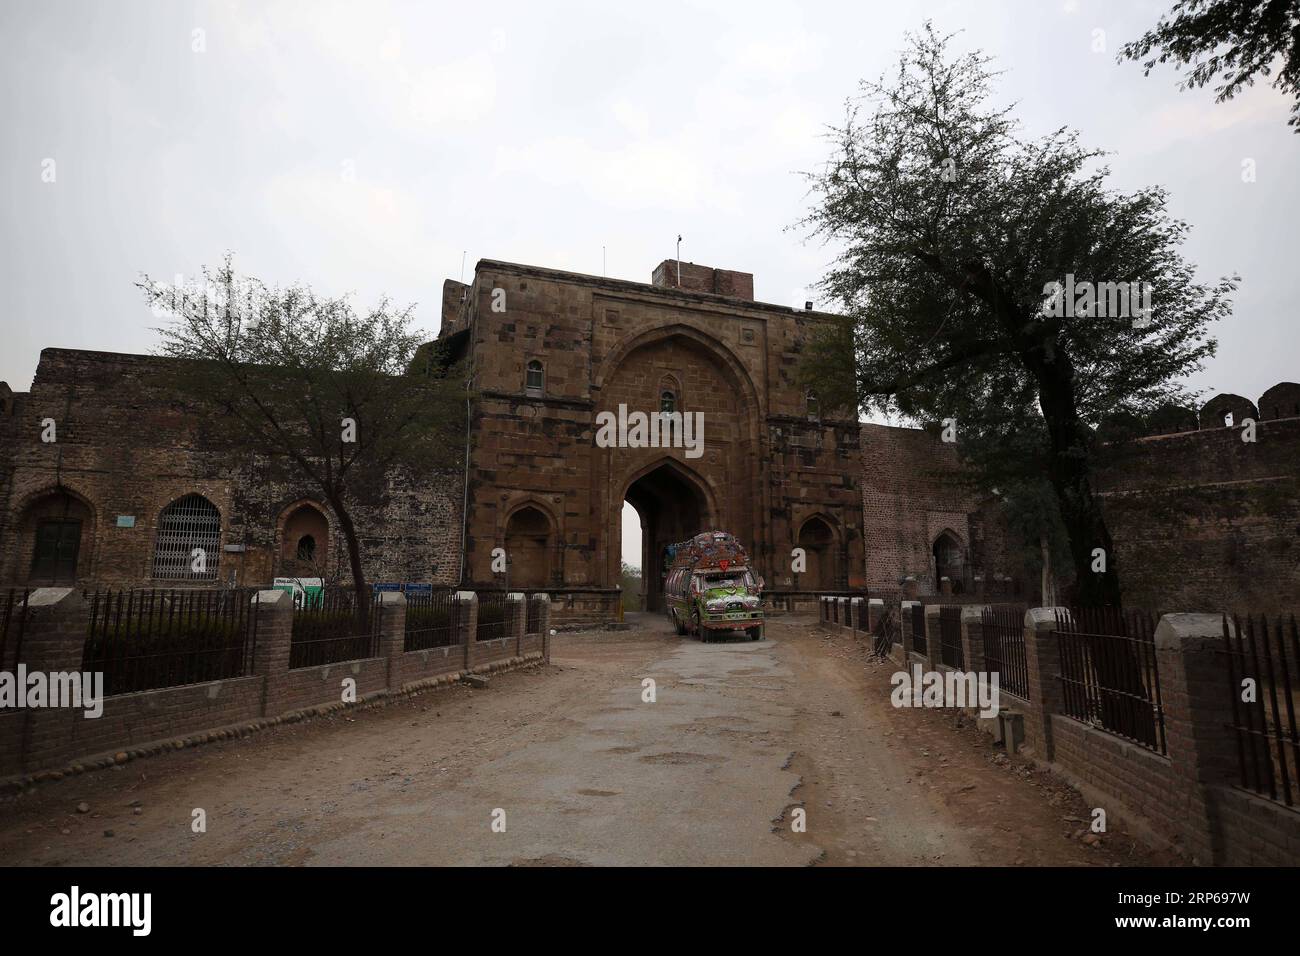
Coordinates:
(1198,710)
(274,639)
(910,588)
(543,605)
(905,628)
(54,641)
(1043,661)
(516,615)
(842,612)
(875,611)
(855,615)
(466,603)
(933,646)
(391,608)
(54,636)
(972,636)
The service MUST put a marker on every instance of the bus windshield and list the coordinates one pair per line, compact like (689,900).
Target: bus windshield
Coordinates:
(728,579)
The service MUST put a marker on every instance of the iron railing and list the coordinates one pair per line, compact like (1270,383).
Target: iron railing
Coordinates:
(333,626)
(1109,674)
(951,652)
(1263,680)
(13,622)
(533,616)
(145,639)
(919,644)
(493,614)
(1003,632)
(431,620)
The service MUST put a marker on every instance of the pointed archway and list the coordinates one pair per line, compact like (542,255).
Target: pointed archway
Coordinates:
(673,505)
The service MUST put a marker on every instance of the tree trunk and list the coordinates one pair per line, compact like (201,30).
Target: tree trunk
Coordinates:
(1069,469)
(1047,589)
(1114,663)
(354,559)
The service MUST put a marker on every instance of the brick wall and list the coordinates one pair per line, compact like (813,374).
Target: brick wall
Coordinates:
(1206,522)
(1187,798)
(127,447)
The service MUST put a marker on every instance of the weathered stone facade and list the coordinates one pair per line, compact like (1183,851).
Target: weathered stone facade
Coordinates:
(1204,521)
(126,449)
(774,471)
(1201,519)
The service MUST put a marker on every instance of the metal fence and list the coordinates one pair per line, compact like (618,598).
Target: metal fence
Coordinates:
(1109,674)
(1263,681)
(333,626)
(13,621)
(431,620)
(492,615)
(1003,631)
(533,616)
(951,652)
(145,639)
(919,644)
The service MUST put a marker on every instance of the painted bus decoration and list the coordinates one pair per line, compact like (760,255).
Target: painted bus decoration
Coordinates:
(711,588)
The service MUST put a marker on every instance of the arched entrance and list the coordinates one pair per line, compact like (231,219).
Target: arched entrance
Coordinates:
(304,542)
(818,542)
(529,543)
(948,561)
(57,532)
(673,506)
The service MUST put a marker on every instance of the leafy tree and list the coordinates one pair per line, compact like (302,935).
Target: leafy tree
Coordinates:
(308,383)
(1236,40)
(953,229)
(631,584)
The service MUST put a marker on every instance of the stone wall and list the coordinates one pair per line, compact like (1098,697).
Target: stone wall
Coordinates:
(770,464)
(127,447)
(1207,522)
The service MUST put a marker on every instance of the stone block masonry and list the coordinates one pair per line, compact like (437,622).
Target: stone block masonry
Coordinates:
(37,743)
(127,448)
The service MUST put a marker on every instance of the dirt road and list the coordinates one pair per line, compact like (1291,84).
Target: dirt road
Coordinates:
(582,771)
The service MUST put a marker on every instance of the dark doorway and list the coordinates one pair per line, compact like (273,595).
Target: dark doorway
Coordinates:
(54,558)
(672,508)
(948,562)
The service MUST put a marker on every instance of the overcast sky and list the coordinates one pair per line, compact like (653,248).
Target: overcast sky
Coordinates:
(366,146)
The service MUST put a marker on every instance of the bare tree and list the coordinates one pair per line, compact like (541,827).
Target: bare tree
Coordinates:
(341,399)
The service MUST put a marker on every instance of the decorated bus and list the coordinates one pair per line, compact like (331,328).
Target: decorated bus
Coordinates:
(712,589)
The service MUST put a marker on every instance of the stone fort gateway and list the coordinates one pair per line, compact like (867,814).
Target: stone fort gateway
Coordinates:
(1202,520)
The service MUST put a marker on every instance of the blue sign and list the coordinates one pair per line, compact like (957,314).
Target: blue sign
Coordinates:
(408,588)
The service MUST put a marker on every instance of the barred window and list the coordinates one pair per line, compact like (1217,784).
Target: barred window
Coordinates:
(535,381)
(667,401)
(186,527)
